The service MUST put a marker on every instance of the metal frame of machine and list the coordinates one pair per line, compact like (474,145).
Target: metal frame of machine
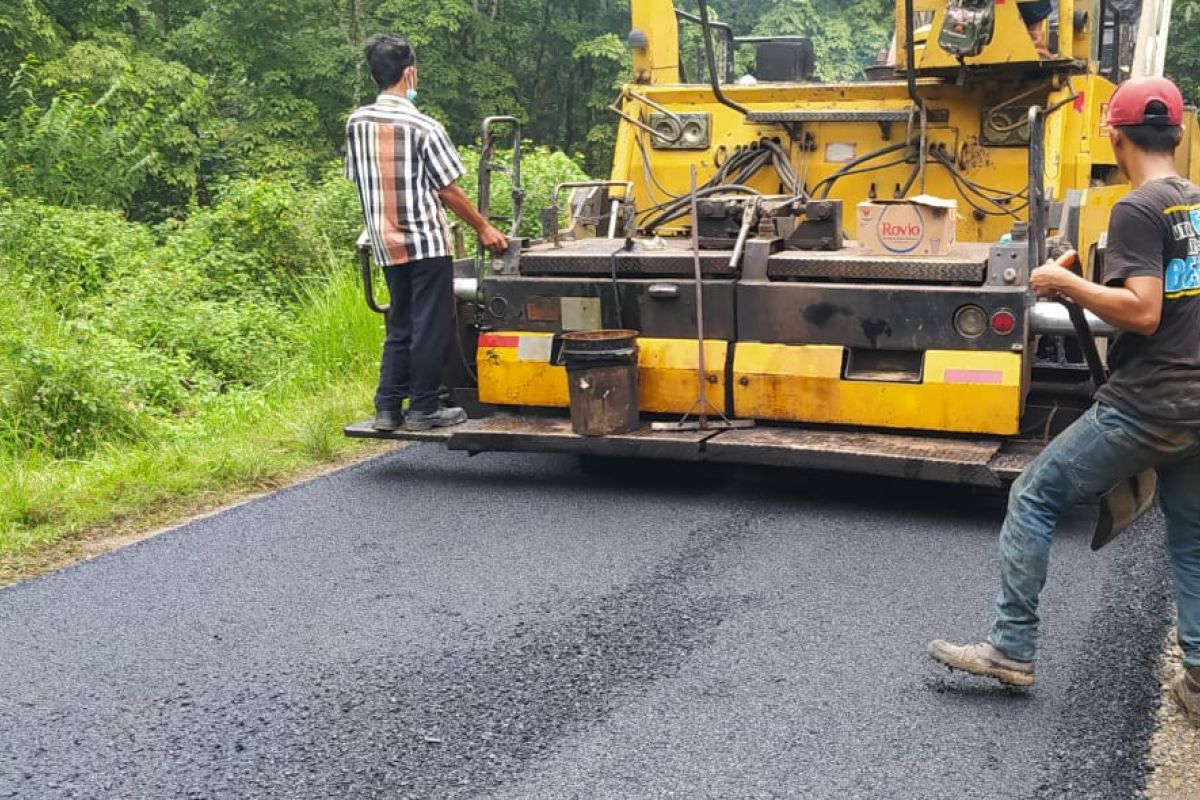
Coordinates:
(942,367)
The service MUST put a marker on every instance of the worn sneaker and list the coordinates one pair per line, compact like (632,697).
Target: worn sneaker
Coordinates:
(1186,690)
(443,417)
(388,420)
(981,658)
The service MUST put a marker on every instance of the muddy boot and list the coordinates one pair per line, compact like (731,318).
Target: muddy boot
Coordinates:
(441,418)
(1186,690)
(981,658)
(1041,39)
(387,419)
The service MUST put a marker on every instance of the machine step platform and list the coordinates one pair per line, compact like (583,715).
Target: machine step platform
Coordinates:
(986,462)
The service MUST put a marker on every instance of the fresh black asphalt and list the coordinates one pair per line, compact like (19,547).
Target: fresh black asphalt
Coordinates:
(430,625)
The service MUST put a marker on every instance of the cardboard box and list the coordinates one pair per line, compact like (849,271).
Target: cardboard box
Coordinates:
(916,226)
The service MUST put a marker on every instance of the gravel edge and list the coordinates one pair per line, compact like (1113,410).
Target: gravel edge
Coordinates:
(1173,758)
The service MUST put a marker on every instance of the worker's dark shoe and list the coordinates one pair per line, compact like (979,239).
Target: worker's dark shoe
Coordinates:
(388,420)
(981,658)
(1186,689)
(443,417)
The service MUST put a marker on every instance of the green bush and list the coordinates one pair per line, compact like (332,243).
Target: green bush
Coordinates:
(111,329)
(103,125)
(542,168)
(64,390)
(68,254)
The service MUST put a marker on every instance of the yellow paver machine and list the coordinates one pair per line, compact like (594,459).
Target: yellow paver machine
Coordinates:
(821,275)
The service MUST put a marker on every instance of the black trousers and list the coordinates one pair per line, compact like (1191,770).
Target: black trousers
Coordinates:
(418,333)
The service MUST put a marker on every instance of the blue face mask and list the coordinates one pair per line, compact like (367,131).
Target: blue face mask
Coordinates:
(411,94)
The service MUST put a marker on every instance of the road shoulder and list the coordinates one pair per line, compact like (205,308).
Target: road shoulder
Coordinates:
(125,531)
(1174,754)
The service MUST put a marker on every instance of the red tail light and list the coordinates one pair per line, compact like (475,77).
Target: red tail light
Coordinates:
(1004,322)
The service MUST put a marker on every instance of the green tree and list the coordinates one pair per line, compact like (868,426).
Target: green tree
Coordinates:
(1183,52)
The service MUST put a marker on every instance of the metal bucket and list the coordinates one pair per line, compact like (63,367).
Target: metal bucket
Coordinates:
(602,376)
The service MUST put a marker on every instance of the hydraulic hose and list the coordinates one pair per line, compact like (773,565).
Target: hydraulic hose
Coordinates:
(910,53)
(846,168)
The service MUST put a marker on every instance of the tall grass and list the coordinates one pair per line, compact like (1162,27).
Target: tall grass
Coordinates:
(146,370)
(341,335)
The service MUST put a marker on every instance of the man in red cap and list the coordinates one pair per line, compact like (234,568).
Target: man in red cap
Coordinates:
(1146,416)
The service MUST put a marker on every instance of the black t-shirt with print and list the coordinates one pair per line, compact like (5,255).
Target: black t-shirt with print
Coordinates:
(1155,230)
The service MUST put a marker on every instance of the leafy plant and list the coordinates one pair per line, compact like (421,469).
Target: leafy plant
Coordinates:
(542,168)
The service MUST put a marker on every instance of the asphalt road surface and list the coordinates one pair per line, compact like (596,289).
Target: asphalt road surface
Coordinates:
(430,625)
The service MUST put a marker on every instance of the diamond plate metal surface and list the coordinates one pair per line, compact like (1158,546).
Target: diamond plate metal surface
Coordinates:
(981,462)
(868,271)
(1014,457)
(965,264)
(595,257)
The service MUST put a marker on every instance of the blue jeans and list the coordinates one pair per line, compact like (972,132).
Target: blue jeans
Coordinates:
(1098,450)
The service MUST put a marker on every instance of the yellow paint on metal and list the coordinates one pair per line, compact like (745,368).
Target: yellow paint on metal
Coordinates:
(961,391)
(507,380)
(667,375)
(1187,157)
(1078,32)
(1076,143)
(1093,221)
(658,62)
(1003,169)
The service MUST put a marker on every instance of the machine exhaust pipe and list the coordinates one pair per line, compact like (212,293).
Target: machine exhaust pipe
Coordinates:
(1053,318)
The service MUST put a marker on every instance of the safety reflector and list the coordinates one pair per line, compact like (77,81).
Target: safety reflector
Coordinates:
(496,340)
(529,346)
(973,376)
(1003,322)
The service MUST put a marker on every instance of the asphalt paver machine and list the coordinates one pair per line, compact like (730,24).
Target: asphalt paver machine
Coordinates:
(733,201)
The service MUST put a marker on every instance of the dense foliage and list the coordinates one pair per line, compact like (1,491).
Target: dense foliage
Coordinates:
(147,106)
(1183,54)
(150,105)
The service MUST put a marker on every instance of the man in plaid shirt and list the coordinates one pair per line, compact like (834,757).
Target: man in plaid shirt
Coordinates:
(406,170)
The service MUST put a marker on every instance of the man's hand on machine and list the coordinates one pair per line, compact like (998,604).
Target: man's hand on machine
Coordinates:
(1054,279)
(458,202)
(1134,306)
(493,239)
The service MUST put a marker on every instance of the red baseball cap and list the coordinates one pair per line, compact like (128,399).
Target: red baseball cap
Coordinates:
(1128,103)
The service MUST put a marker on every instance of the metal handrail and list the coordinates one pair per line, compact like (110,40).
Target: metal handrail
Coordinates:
(364,261)
(487,166)
(725,29)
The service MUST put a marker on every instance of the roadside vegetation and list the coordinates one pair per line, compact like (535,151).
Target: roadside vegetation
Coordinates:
(140,364)
(149,364)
